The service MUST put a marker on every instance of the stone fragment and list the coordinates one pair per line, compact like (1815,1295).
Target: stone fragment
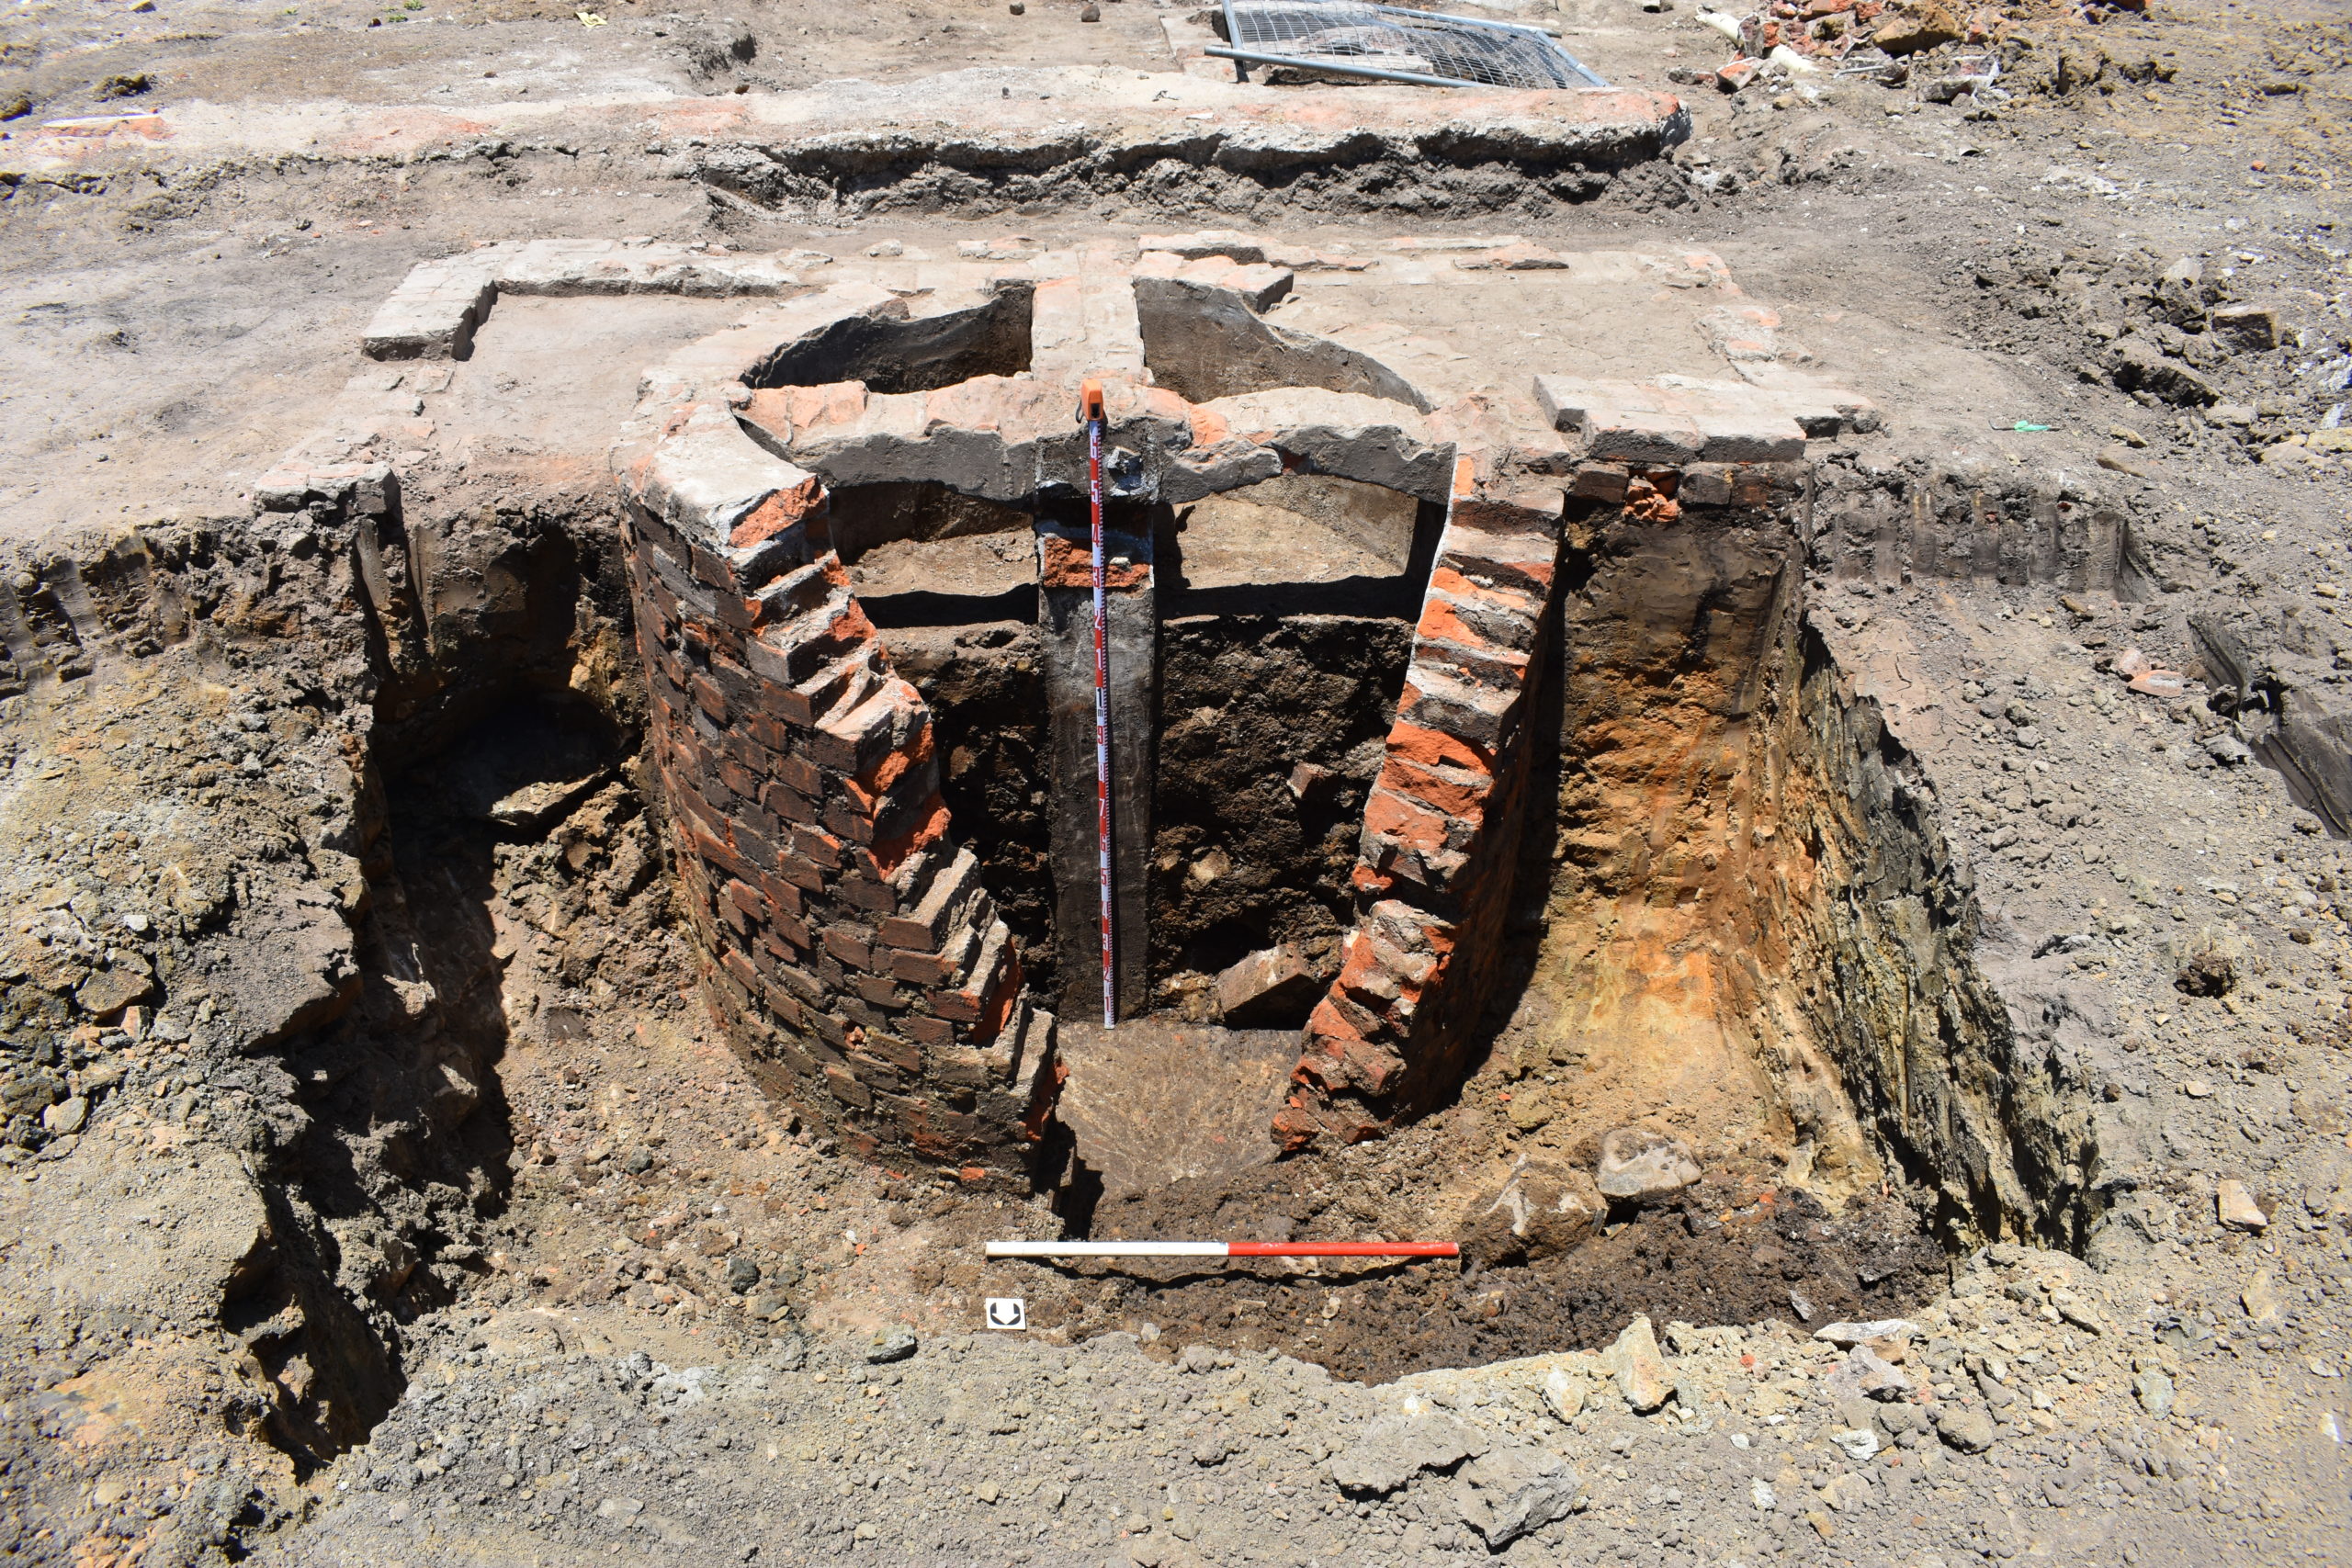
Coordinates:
(1858,1443)
(2249,328)
(1846,1336)
(1311,784)
(1540,1211)
(1563,1394)
(1640,1166)
(1925,24)
(1865,1373)
(2259,1296)
(1639,1367)
(2155,1391)
(1230,243)
(2227,750)
(2236,1207)
(111,990)
(1272,988)
(1970,1431)
(66,1117)
(1394,1448)
(889,1345)
(1510,1492)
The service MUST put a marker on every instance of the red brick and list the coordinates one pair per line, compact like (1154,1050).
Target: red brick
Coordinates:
(880,990)
(848,945)
(1600,482)
(1434,748)
(816,847)
(801,775)
(846,1088)
(706,695)
(782,895)
(855,742)
(788,803)
(862,892)
(931,1033)
(738,780)
(930,825)
(920,968)
(1408,822)
(1457,792)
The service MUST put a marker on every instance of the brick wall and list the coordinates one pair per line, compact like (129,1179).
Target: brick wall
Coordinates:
(850,950)
(1442,833)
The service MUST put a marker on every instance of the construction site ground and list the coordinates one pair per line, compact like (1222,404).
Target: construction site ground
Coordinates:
(591,1374)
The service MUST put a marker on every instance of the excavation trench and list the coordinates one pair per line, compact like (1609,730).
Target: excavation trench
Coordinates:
(1734,921)
(1457,831)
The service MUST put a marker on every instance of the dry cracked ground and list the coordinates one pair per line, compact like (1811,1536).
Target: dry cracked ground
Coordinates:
(378,1191)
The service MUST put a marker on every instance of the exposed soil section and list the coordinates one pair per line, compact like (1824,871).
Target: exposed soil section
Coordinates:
(1271,734)
(1725,1253)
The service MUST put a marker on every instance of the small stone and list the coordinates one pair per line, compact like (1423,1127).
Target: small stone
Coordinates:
(1868,1375)
(2237,1209)
(2198,1088)
(1090,13)
(1511,1492)
(741,1274)
(65,1117)
(1310,782)
(1565,1395)
(111,990)
(2155,1391)
(1017,9)
(892,1345)
(638,1161)
(1394,1448)
(1970,1431)
(1859,1443)
(2249,329)
(2260,1298)
(1542,1210)
(1846,1336)
(1640,1368)
(1272,988)
(1640,1166)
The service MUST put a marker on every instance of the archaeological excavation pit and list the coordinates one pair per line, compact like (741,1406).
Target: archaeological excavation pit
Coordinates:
(1487,811)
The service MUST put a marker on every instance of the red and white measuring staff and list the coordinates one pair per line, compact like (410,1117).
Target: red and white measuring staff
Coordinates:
(1089,409)
(1224,1249)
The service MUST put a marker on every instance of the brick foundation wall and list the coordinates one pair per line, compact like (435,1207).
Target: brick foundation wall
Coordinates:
(850,954)
(1442,833)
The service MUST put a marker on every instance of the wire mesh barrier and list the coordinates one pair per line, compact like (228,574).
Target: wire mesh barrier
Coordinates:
(1390,44)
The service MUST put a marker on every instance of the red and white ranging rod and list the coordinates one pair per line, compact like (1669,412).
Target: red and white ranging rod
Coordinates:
(1224,1249)
(1089,409)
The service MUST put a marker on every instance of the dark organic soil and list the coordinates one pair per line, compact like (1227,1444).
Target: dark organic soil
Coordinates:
(1724,1254)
